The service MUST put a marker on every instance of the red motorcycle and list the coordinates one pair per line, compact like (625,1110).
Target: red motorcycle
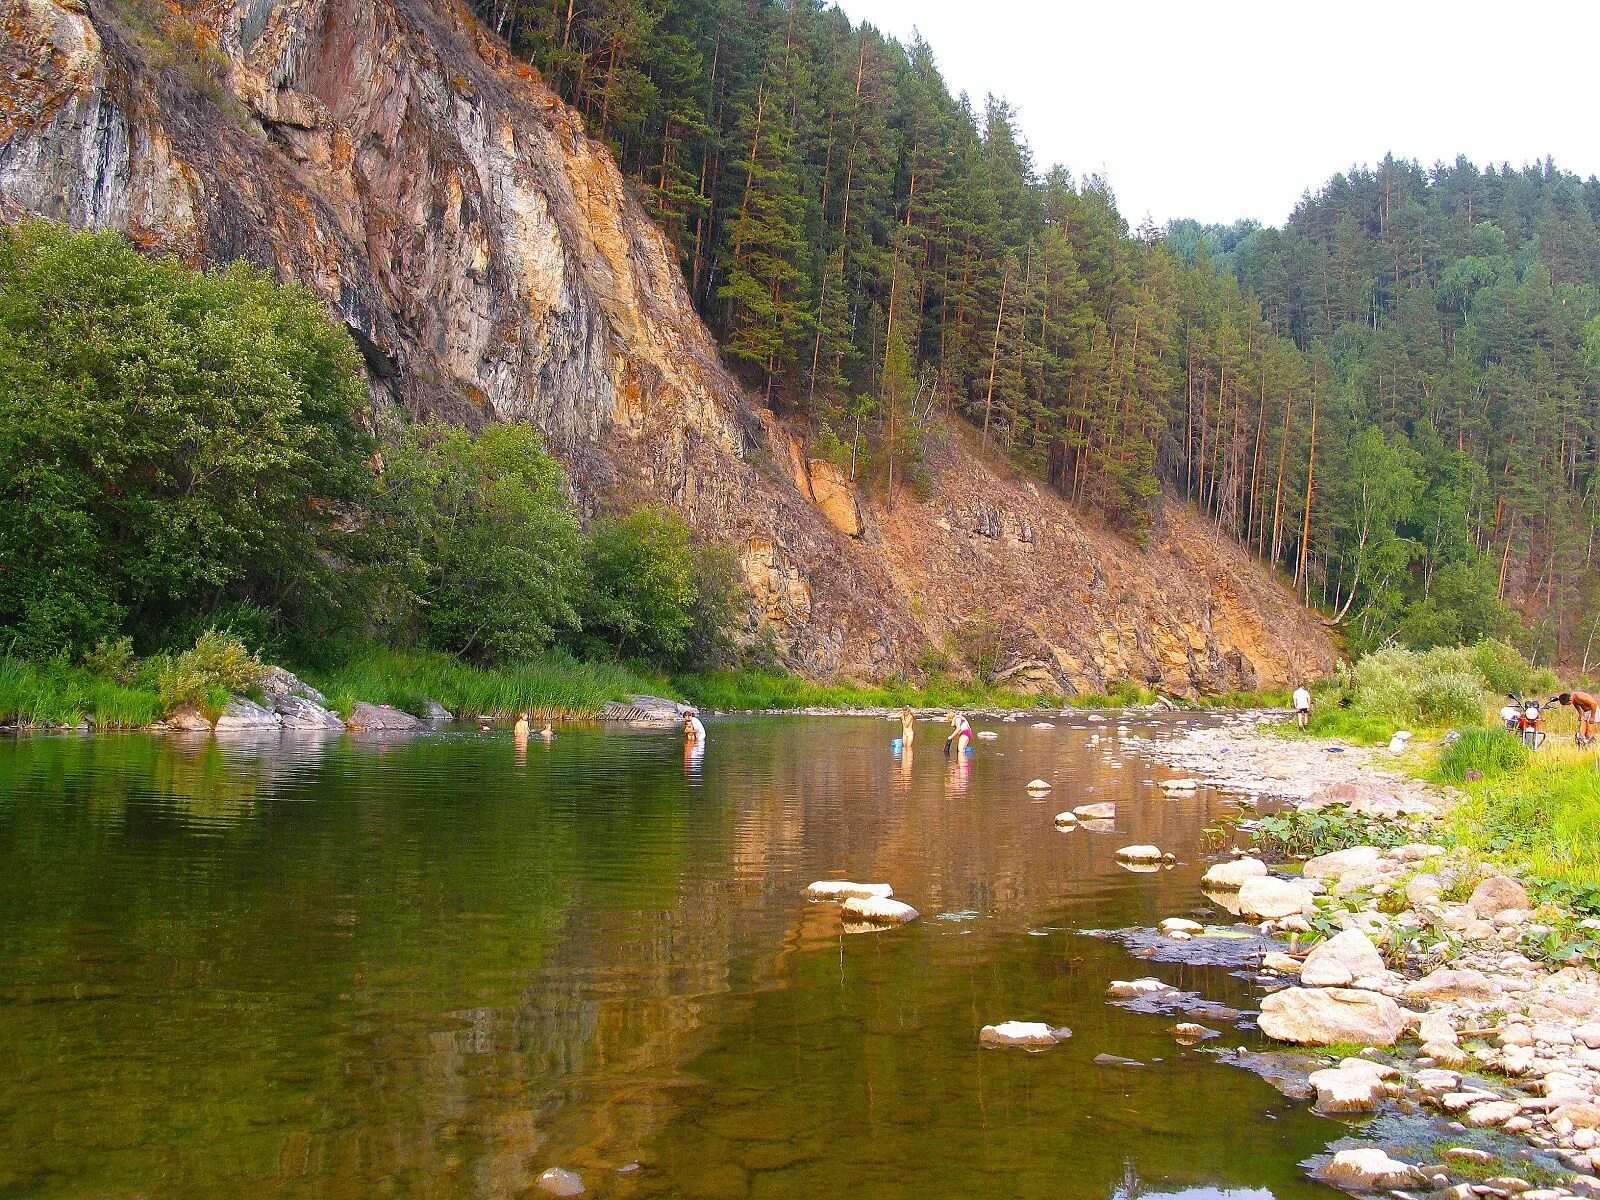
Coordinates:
(1523,717)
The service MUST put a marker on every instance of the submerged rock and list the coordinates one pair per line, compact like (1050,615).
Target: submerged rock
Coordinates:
(1323,1016)
(558,1181)
(1129,989)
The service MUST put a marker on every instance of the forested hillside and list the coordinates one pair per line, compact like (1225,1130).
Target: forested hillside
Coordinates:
(1393,398)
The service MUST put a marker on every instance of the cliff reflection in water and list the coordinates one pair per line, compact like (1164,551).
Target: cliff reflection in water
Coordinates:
(353,967)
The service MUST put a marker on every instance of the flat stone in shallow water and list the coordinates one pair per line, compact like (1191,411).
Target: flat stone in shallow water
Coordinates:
(1324,1016)
(1028,1034)
(1104,811)
(1367,1168)
(1233,948)
(843,889)
(875,910)
(1229,876)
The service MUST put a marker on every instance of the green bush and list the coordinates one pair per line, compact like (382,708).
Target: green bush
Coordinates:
(218,666)
(169,441)
(113,661)
(642,588)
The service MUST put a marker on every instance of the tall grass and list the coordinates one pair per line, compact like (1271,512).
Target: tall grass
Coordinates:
(1480,754)
(1544,816)
(57,693)
(766,689)
(554,684)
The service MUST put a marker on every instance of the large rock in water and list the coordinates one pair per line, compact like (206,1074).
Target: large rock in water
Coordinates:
(1347,1089)
(246,716)
(1368,1168)
(1230,876)
(1033,1035)
(1324,1016)
(301,713)
(380,718)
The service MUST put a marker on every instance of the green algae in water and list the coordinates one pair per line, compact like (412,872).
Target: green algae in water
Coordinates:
(438,966)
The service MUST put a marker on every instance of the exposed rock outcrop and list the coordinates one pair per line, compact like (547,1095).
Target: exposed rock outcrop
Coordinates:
(490,262)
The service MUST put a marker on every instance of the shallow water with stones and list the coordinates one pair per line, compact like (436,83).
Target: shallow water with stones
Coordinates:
(437,966)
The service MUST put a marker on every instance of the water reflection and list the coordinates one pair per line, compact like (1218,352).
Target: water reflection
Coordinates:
(349,967)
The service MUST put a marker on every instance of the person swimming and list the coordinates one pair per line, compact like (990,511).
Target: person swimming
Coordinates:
(960,733)
(547,733)
(520,729)
(908,728)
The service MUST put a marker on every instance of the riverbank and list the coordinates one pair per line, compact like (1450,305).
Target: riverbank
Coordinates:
(1437,974)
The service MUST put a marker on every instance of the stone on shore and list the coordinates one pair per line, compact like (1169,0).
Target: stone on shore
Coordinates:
(1432,1081)
(381,718)
(1341,960)
(1283,964)
(1230,876)
(184,719)
(1187,1033)
(1368,1168)
(1267,897)
(1139,854)
(842,889)
(1028,1034)
(1448,983)
(1330,867)
(1497,894)
(1347,1089)
(301,712)
(1323,1016)
(877,910)
(1490,1113)
(1104,811)
(246,716)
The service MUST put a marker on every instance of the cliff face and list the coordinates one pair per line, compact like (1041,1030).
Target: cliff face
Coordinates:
(490,262)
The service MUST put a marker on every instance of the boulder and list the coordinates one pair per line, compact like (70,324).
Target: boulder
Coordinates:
(1230,876)
(1187,1033)
(1038,785)
(1424,891)
(184,719)
(434,711)
(1342,1090)
(876,910)
(381,718)
(1490,1112)
(1330,867)
(277,684)
(1497,894)
(1140,854)
(1582,1116)
(1342,959)
(1066,819)
(1030,1034)
(1174,925)
(1367,1169)
(840,889)
(300,712)
(1448,983)
(1437,1028)
(1104,811)
(1323,1016)
(1267,897)
(1431,1081)
(246,716)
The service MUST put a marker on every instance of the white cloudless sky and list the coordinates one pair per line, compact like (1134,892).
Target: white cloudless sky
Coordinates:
(1234,108)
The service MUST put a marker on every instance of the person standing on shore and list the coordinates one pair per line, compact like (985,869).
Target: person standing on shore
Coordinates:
(1302,706)
(908,728)
(1588,708)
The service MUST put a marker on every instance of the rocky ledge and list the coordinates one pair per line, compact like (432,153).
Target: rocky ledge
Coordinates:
(1436,964)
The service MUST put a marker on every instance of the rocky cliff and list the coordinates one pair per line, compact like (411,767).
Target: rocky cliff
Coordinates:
(489,260)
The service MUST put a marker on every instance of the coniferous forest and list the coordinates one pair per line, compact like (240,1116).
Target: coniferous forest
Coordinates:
(1393,397)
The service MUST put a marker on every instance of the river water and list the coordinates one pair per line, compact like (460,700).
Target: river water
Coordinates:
(435,967)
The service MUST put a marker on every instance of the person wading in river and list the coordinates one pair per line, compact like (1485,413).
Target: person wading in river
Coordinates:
(960,734)
(694,733)
(908,728)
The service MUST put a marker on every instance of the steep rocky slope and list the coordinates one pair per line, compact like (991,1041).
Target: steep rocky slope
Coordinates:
(488,259)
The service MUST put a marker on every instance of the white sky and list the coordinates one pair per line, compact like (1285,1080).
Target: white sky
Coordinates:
(1232,108)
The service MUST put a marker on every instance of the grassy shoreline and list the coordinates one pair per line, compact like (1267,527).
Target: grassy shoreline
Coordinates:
(57,694)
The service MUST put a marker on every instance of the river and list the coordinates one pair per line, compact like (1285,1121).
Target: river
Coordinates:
(437,966)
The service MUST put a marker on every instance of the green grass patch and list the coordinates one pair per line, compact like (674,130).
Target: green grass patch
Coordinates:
(553,684)
(1351,725)
(57,693)
(1480,754)
(767,689)
(1305,834)
(1544,817)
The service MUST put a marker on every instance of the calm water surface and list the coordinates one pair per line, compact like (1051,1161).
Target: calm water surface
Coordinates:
(434,967)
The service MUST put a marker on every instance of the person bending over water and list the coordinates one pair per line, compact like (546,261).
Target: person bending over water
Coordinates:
(694,733)
(960,734)
(1588,713)
(908,728)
